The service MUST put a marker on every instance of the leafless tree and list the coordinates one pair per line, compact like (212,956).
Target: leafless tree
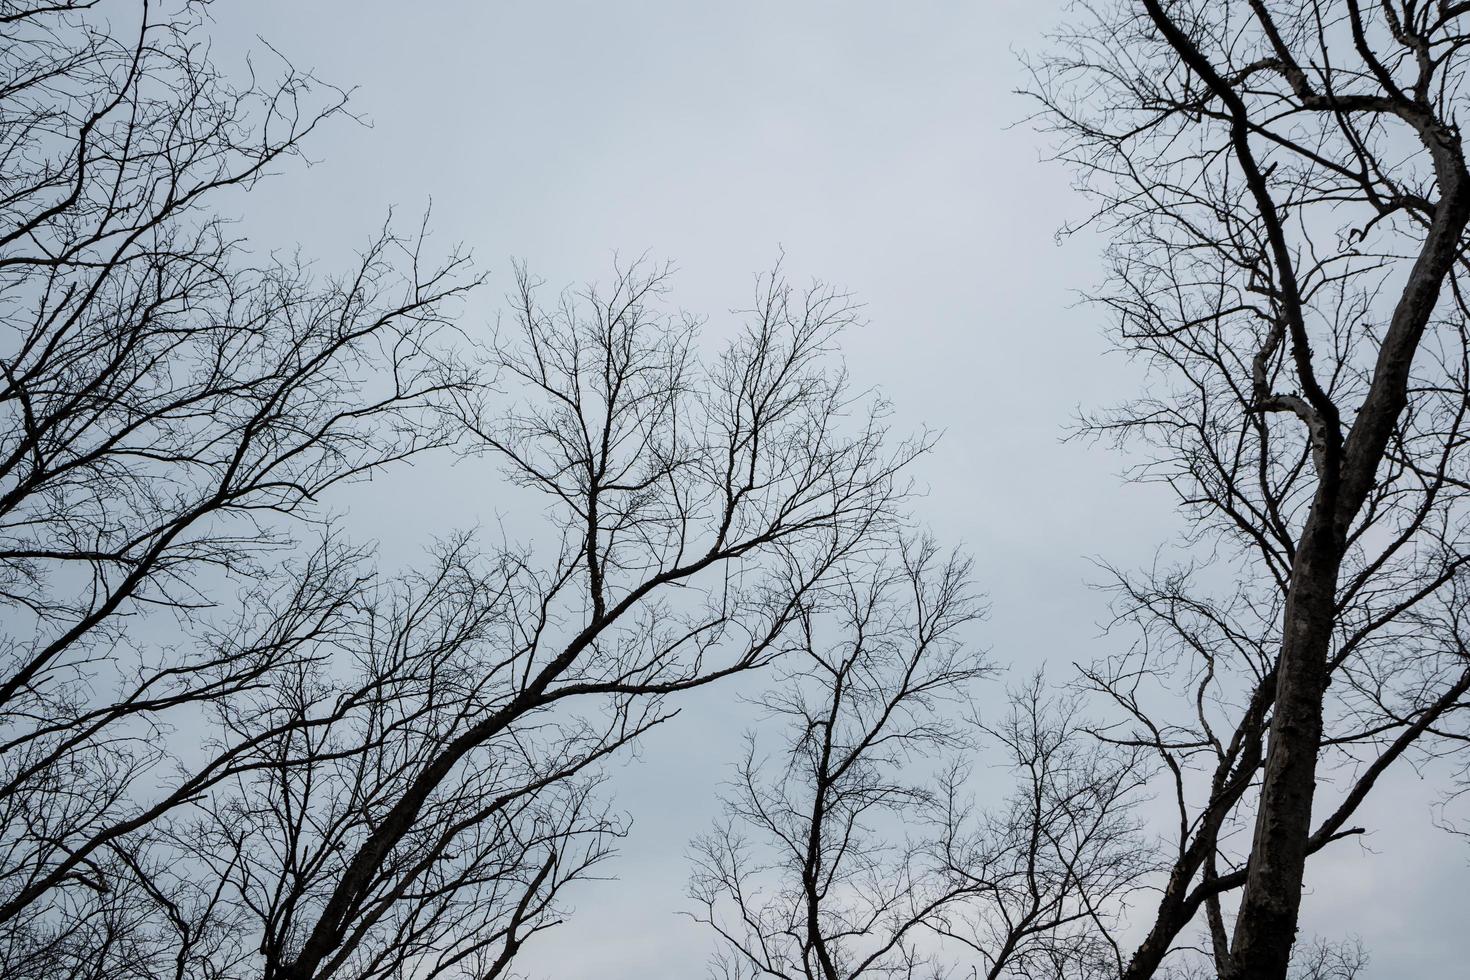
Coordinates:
(700,512)
(1047,876)
(1318,959)
(336,743)
(231,746)
(853,850)
(170,410)
(1330,961)
(1285,189)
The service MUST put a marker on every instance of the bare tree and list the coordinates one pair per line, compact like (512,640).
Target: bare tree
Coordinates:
(1047,876)
(1286,192)
(854,849)
(345,735)
(1315,960)
(170,411)
(229,745)
(699,511)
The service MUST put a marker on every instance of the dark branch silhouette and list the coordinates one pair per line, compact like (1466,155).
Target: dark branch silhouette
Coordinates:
(229,744)
(853,849)
(1286,192)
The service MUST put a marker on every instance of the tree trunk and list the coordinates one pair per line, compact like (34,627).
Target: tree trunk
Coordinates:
(1266,926)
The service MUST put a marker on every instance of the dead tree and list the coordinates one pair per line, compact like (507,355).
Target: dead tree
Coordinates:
(1286,192)
(852,849)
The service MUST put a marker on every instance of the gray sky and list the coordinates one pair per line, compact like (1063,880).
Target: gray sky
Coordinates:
(875,143)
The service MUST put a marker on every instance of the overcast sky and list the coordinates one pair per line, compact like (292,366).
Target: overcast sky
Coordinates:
(878,144)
